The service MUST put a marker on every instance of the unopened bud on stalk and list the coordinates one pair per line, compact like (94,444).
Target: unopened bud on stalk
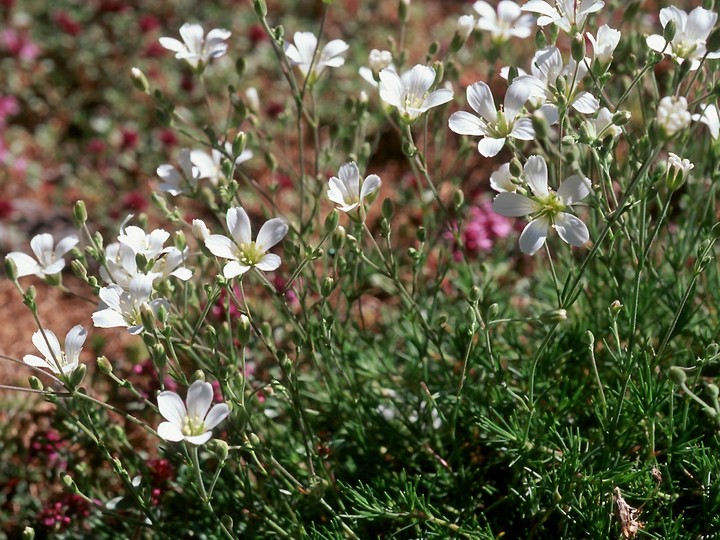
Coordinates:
(331,221)
(159,356)
(338,237)
(77,375)
(670,30)
(493,310)
(403,10)
(239,143)
(220,449)
(79,214)
(28,533)
(677,171)
(474,294)
(226,520)
(69,483)
(589,339)
(554,316)
(35,383)
(10,269)
(199,375)
(540,40)
(439,72)
(713,391)
(244,330)
(620,118)
(677,375)
(421,234)
(139,80)
(147,316)
(540,125)
(104,365)
(458,199)
(712,350)
(578,48)
(327,286)
(388,209)
(260,8)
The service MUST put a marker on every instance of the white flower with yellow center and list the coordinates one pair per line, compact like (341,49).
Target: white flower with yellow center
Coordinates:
(54,358)
(122,308)
(242,252)
(349,190)
(495,126)
(196,48)
(691,33)
(504,22)
(302,52)
(546,207)
(410,92)
(49,257)
(194,422)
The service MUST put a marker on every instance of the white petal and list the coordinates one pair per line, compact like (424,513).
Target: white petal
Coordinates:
(25,264)
(515,98)
(536,175)
(465,123)
(170,432)
(438,97)
(574,189)
(74,341)
(107,318)
(523,130)
(500,179)
(269,263)
(480,98)
(216,415)
(657,43)
(271,233)
(490,146)
(199,439)
(370,185)
(199,398)
(54,268)
(53,353)
(172,44)
(510,204)
(585,103)
(418,80)
(65,245)
(234,269)
(238,224)
(220,246)
(349,184)
(540,6)
(533,236)
(571,229)
(42,246)
(172,407)
(391,88)
(36,361)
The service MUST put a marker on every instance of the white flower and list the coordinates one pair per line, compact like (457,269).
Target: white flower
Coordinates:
(302,52)
(348,191)
(546,208)
(710,118)
(55,359)
(49,260)
(170,264)
(194,422)
(546,67)
(200,230)
(565,13)
(677,170)
(122,308)
(377,60)
(241,251)
(672,114)
(495,126)
(410,92)
(176,181)
(691,34)
(141,243)
(507,22)
(501,180)
(196,48)
(605,43)
(209,165)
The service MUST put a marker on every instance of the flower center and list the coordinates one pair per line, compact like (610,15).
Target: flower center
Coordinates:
(193,425)
(684,48)
(552,206)
(250,254)
(413,101)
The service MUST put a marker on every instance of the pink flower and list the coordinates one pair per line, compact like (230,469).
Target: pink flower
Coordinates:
(482,228)
(18,44)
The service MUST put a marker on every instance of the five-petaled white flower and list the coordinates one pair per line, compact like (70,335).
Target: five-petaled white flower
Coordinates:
(691,33)
(602,126)
(494,126)
(302,52)
(546,207)
(410,92)
(377,61)
(55,359)
(240,250)
(196,48)
(349,190)
(195,422)
(209,165)
(604,44)
(505,22)
(49,259)
(565,13)
(119,307)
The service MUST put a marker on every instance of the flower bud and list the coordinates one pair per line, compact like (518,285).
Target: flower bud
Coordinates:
(243,331)
(713,391)
(388,209)
(403,10)
(421,234)
(147,316)
(69,483)
(540,39)
(28,533)
(578,48)
(227,522)
(331,221)
(458,199)
(220,449)
(620,118)
(104,365)
(677,171)
(79,214)
(669,30)
(589,339)
(475,294)
(712,43)
(199,375)
(493,310)
(327,286)
(260,8)
(338,237)
(540,125)
(554,316)
(439,68)
(35,383)
(77,375)
(239,143)
(677,375)
(10,269)
(139,80)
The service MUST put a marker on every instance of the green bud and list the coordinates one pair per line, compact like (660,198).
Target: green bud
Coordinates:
(512,73)
(158,355)
(139,80)
(199,375)
(578,48)
(104,365)
(11,268)
(711,350)
(240,67)
(403,10)
(227,522)
(147,316)
(79,214)
(433,49)
(715,231)
(266,330)
(338,238)
(254,440)
(327,286)
(475,294)
(421,234)
(677,375)
(239,143)
(28,533)
(554,316)
(79,269)
(244,328)
(69,483)
(492,310)
(388,209)
(220,449)
(77,375)
(540,126)
(35,383)
(620,118)
(713,391)
(540,39)
(554,32)
(442,319)
(260,8)
(458,199)
(408,148)
(284,360)
(516,168)
(589,339)
(439,68)
(670,30)
(331,221)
